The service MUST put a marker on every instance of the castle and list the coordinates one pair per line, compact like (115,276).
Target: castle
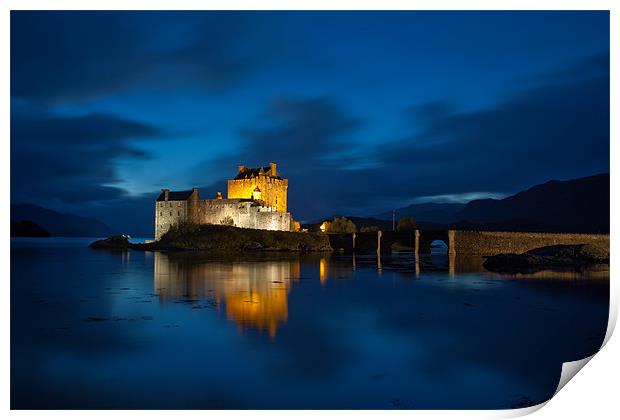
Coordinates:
(256,200)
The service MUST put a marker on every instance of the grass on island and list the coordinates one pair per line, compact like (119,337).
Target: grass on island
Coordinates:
(218,237)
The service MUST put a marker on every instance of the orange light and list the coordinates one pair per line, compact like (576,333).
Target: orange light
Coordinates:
(323,270)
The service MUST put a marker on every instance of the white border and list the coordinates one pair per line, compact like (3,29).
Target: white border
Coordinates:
(594,394)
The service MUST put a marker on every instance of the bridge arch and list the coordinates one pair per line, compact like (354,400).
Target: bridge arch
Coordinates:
(424,239)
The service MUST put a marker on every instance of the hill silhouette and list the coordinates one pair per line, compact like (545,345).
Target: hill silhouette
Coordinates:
(59,224)
(578,205)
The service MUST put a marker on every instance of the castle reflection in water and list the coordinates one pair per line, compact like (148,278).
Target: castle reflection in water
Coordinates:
(254,292)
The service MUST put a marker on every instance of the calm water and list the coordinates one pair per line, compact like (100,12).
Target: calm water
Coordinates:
(100,329)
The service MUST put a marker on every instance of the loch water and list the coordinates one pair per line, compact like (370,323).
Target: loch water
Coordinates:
(104,329)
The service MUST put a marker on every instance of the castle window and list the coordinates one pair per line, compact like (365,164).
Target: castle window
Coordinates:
(171,213)
(178,213)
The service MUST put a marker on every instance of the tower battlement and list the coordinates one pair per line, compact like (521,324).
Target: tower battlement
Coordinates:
(273,189)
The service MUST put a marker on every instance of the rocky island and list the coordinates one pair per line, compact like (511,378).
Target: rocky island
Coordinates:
(190,237)
(113,242)
(554,257)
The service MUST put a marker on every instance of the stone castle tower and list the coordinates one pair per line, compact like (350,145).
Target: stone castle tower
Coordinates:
(263,182)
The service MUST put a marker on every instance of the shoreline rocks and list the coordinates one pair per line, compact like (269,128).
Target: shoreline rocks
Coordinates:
(218,238)
(555,257)
(113,242)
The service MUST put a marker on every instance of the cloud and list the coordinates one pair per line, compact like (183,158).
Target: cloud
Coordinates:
(71,159)
(59,56)
(556,129)
(422,114)
(596,65)
(458,198)
(44,128)
(305,134)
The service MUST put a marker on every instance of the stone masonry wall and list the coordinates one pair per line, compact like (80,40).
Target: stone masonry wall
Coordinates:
(273,190)
(243,214)
(168,213)
(493,243)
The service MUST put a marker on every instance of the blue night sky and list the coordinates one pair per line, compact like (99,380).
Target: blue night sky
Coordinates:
(362,111)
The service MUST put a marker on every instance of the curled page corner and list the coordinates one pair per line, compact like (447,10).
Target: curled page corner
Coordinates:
(520,412)
(569,370)
(611,323)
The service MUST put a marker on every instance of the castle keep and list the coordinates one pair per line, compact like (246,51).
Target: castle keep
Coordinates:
(256,200)
(263,183)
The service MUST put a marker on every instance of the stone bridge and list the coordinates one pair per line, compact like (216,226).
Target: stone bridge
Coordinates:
(460,242)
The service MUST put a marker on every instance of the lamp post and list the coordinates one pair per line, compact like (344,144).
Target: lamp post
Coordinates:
(394,219)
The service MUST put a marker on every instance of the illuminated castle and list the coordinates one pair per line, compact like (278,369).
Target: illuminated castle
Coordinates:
(256,200)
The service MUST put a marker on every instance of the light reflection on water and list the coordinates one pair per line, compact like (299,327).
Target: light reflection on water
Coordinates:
(255,294)
(99,329)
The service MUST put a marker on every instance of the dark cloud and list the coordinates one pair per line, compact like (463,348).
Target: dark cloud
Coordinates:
(63,56)
(596,65)
(558,129)
(71,159)
(313,142)
(430,111)
(47,129)
(553,130)
(306,134)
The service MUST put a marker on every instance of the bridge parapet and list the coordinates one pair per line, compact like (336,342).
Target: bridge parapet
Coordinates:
(461,242)
(493,243)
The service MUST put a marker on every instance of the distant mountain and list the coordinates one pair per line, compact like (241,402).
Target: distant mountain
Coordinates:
(428,212)
(59,224)
(26,228)
(579,205)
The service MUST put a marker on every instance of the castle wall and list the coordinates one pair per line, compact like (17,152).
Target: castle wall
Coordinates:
(167,213)
(243,214)
(273,190)
(273,221)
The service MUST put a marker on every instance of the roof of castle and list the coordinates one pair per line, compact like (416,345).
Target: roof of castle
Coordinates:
(175,196)
(254,172)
